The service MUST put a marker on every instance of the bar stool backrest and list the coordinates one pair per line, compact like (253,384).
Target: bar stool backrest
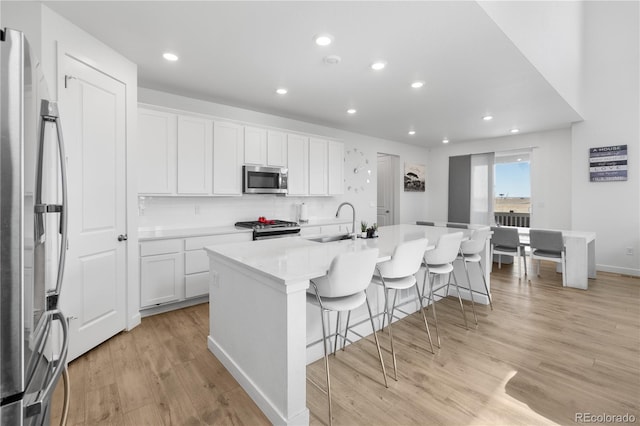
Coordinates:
(546,241)
(349,273)
(477,241)
(505,237)
(406,259)
(446,250)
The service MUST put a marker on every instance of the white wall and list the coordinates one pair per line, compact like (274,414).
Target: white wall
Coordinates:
(221,211)
(549,34)
(550,174)
(611,100)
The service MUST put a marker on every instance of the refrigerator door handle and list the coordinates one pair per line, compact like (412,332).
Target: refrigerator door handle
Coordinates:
(49,113)
(45,395)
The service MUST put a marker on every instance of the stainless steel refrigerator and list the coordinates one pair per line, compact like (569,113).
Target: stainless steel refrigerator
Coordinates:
(33,241)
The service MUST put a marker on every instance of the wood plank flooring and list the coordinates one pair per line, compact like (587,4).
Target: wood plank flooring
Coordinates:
(542,355)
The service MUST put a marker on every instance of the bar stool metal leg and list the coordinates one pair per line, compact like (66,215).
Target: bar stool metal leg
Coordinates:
(424,317)
(375,336)
(455,282)
(466,271)
(486,288)
(326,362)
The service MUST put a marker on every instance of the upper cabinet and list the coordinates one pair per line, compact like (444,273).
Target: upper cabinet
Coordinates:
(157,141)
(255,146)
(276,149)
(298,164)
(195,147)
(335,167)
(183,154)
(265,148)
(228,155)
(318,167)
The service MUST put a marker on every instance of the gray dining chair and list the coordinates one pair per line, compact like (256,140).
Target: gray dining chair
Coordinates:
(548,245)
(506,241)
(425,223)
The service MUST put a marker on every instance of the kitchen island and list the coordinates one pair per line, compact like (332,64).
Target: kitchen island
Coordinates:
(258,311)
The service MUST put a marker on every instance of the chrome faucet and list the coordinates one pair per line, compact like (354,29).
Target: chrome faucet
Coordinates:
(353,225)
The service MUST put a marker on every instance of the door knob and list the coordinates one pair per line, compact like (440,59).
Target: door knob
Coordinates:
(123,237)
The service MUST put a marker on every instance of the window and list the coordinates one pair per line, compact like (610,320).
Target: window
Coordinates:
(512,188)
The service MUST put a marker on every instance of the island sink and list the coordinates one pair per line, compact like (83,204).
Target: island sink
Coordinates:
(330,238)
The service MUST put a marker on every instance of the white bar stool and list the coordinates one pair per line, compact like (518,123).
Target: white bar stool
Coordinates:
(439,261)
(470,253)
(399,274)
(344,289)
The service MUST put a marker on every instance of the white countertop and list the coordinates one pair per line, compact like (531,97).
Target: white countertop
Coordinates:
(166,232)
(162,232)
(297,258)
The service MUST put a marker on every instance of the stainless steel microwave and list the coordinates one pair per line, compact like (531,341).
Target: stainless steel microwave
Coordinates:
(264,180)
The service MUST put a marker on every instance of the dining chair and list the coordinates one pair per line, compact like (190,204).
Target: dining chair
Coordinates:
(397,274)
(548,245)
(425,223)
(343,289)
(506,241)
(439,261)
(457,225)
(470,253)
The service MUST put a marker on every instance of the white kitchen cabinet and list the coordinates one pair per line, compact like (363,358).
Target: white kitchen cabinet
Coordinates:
(255,146)
(335,165)
(157,142)
(318,181)
(298,164)
(228,156)
(276,149)
(177,269)
(161,279)
(195,148)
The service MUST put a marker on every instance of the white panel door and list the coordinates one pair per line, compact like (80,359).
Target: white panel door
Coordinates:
(385,212)
(298,164)
(276,149)
(156,152)
(228,153)
(255,146)
(317,166)
(195,148)
(335,166)
(94,288)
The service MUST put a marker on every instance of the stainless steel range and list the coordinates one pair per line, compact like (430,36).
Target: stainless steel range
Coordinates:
(265,228)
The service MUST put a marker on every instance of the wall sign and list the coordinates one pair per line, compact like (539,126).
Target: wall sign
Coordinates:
(608,163)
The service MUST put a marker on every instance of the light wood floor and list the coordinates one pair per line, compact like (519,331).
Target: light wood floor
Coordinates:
(544,354)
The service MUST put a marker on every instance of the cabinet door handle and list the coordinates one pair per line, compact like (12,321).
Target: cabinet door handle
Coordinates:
(123,237)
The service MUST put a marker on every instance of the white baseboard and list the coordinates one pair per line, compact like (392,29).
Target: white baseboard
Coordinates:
(134,321)
(159,309)
(618,270)
(261,400)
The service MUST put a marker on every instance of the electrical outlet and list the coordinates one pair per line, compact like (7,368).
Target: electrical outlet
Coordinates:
(629,251)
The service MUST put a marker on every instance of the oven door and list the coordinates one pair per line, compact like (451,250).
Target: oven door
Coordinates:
(264,234)
(264,180)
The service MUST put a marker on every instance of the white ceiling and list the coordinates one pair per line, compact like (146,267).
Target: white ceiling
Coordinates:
(238,53)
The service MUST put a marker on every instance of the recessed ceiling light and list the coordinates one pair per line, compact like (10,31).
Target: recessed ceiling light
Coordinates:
(519,159)
(445,140)
(514,130)
(351,111)
(417,84)
(412,132)
(323,39)
(378,65)
(281,91)
(170,56)
(487,117)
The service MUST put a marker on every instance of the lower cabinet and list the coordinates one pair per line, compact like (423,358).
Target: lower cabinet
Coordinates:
(174,270)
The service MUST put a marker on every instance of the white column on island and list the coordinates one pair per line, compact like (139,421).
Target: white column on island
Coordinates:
(268,361)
